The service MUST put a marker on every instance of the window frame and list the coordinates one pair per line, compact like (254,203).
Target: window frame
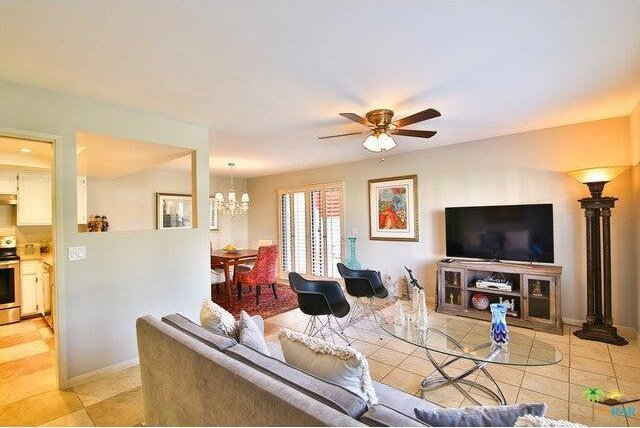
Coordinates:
(322,187)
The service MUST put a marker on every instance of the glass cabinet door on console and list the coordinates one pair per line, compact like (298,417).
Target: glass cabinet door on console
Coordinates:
(539,297)
(452,291)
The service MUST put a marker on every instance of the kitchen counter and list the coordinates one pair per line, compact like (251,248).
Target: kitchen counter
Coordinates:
(44,257)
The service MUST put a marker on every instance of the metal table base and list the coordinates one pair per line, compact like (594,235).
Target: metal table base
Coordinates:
(433,382)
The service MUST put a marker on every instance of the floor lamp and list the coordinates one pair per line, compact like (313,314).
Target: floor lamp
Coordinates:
(599,324)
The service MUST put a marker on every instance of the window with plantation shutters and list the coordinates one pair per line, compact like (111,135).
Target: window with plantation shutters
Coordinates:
(311,229)
(286,234)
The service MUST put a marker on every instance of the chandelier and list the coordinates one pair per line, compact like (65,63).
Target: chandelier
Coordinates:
(231,206)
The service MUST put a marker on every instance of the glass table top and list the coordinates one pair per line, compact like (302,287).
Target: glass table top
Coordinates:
(469,339)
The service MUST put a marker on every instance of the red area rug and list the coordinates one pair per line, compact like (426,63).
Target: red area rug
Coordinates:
(268,306)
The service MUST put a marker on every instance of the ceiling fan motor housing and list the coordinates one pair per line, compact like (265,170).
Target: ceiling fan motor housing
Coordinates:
(380,118)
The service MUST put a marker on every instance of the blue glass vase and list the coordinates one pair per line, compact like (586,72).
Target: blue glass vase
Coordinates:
(499,330)
(352,261)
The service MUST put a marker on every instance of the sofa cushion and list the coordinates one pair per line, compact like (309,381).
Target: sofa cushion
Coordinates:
(275,350)
(249,334)
(338,364)
(331,395)
(400,401)
(383,416)
(541,421)
(479,416)
(187,326)
(217,319)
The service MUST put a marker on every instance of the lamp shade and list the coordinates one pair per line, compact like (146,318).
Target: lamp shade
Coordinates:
(386,142)
(371,143)
(377,143)
(597,175)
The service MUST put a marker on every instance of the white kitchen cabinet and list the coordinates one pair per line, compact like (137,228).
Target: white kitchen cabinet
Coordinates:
(46,285)
(82,199)
(29,299)
(32,291)
(40,295)
(8,181)
(34,198)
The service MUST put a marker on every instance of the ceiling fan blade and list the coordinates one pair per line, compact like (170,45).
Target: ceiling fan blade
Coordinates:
(359,119)
(339,135)
(417,117)
(415,133)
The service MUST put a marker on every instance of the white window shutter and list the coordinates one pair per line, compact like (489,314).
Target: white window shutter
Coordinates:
(334,225)
(311,229)
(300,232)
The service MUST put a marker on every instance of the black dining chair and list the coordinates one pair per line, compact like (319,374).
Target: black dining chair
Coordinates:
(321,298)
(364,284)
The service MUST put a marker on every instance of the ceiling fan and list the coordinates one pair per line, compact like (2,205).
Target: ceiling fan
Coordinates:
(381,128)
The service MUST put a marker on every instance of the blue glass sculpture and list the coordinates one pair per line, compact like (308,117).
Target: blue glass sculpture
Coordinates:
(352,261)
(499,330)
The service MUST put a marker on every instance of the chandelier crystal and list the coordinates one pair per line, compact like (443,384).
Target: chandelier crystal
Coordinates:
(231,206)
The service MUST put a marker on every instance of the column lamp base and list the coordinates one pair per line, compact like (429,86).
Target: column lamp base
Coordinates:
(600,333)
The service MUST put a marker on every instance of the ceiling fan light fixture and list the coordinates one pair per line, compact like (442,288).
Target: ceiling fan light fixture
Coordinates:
(386,142)
(379,142)
(371,143)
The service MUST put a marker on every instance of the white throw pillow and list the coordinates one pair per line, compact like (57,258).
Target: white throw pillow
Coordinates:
(249,334)
(340,365)
(541,421)
(217,320)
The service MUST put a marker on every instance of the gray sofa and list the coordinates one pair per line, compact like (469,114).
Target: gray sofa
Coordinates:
(193,377)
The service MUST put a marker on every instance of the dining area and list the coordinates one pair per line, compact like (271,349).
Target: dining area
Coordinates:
(246,279)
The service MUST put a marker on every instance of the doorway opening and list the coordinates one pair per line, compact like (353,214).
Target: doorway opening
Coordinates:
(28,331)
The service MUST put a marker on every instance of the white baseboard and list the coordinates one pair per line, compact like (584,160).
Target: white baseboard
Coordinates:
(86,377)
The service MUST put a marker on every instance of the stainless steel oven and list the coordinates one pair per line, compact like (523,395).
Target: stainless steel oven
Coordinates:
(9,291)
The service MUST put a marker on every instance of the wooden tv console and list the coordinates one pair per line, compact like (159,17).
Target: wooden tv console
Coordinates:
(535,292)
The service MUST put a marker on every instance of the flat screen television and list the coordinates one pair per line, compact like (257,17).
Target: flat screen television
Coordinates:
(504,232)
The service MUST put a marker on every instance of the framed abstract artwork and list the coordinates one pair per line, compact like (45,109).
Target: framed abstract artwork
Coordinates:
(393,208)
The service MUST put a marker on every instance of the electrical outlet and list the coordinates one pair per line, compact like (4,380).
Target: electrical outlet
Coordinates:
(77,253)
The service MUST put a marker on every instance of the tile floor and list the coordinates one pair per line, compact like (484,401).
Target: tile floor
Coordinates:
(29,397)
(28,391)
(585,364)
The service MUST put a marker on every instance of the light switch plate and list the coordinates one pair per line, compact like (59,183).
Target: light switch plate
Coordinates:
(77,253)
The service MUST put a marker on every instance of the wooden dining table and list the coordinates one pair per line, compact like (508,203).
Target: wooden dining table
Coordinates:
(223,259)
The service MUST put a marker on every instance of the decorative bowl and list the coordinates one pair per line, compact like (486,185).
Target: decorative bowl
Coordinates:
(480,301)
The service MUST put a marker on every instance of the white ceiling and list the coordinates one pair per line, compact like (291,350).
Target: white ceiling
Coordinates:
(268,77)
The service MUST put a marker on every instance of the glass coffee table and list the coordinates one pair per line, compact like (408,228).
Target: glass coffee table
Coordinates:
(464,339)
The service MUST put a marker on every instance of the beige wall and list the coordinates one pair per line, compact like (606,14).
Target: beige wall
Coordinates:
(24,234)
(515,169)
(126,274)
(129,202)
(634,127)
(229,231)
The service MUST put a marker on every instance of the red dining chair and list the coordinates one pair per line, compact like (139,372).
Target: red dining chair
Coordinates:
(262,273)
